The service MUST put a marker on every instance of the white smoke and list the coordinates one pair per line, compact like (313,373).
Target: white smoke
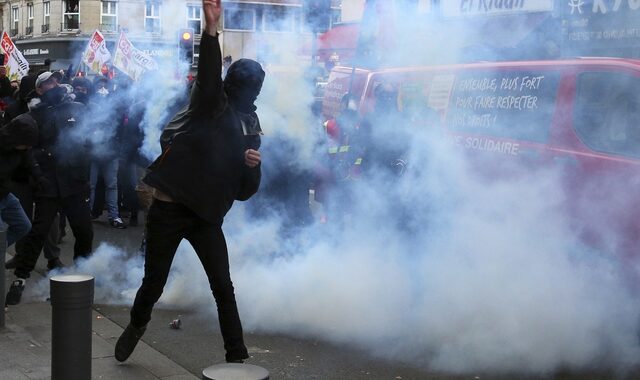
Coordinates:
(441,268)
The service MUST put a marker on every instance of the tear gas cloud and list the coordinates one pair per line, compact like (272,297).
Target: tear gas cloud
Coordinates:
(439,267)
(151,101)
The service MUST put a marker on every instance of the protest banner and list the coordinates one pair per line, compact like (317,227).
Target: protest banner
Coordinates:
(96,54)
(131,61)
(16,64)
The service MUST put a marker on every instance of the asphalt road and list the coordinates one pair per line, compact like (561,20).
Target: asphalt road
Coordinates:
(198,344)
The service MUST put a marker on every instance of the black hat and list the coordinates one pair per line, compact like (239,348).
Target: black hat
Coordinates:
(81,82)
(245,73)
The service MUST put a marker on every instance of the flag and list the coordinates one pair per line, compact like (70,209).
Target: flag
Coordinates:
(17,65)
(96,54)
(132,61)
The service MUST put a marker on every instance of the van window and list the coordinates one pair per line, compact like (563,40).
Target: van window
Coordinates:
(607,112)
(413,103)
(517,105)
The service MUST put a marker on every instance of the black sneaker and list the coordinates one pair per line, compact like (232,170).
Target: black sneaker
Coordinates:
(127,342)
(15,292)
(117,223)
(236,356)
(12,263)
(55,264)
(133,219)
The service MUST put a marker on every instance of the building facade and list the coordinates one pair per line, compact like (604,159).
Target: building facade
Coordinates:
(57,31)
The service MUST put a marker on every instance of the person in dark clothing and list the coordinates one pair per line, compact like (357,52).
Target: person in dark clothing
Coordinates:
(25,94)
(384,133)
(82,89)
(131,139)
(6,91)
(16,140)
(64,184)
(23,187)
(209,159)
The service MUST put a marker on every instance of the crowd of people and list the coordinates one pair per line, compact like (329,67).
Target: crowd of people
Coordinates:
(62,134)
(69,151)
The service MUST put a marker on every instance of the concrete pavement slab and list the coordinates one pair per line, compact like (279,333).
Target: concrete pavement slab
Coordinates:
(26,347)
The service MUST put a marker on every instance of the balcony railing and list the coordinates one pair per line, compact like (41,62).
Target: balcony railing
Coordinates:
(28,30)
(109,28)
(13,32)
(70,25)
(45,28)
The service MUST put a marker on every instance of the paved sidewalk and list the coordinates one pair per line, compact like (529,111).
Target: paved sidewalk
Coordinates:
(25,347)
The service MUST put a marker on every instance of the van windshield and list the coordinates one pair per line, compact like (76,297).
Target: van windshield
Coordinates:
(517,105)
(607,112)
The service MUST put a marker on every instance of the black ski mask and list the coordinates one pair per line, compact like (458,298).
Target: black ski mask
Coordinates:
(54,95)
(243,84)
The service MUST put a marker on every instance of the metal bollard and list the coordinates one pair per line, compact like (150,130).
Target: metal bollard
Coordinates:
(71,323)
(234,371)
(3,251)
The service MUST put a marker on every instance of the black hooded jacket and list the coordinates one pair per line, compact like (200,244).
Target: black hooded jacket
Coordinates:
(22,130)
(26,93)
(202,162)
(62,155)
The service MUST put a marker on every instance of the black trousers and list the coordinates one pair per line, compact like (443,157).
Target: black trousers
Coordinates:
(76,209)
(24,192)
(167,224)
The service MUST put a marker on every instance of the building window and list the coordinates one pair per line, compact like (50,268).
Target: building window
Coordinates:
(29,29)
(15,20)
(194,18)
(336,16)
(71,14)
(152,18)
(109,16)
(46,16)
(240,19)
(278,20)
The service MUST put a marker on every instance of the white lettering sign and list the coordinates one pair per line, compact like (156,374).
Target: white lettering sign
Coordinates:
(461,8)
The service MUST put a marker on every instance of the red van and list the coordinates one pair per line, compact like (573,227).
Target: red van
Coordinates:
(581,114)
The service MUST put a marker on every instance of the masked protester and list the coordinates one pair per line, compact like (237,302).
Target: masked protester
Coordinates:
(62,158)
(23,188)
(209,159)
(26,92)
(82,89)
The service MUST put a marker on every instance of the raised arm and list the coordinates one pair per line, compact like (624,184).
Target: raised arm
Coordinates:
(208,92)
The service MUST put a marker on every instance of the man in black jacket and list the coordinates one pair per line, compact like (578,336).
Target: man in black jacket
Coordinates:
(63,159)
(23,189)
(209,159)
(16,139)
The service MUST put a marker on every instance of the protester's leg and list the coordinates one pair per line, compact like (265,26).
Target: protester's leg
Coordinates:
(211,247)
(45,212)
(62,226)
(93,180)
(24,193)
(13,215)
(76,208)
(110,175)
(166,224)
(128,179)
(50,246)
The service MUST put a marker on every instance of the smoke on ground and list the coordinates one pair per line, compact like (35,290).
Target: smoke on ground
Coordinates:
(440,267)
